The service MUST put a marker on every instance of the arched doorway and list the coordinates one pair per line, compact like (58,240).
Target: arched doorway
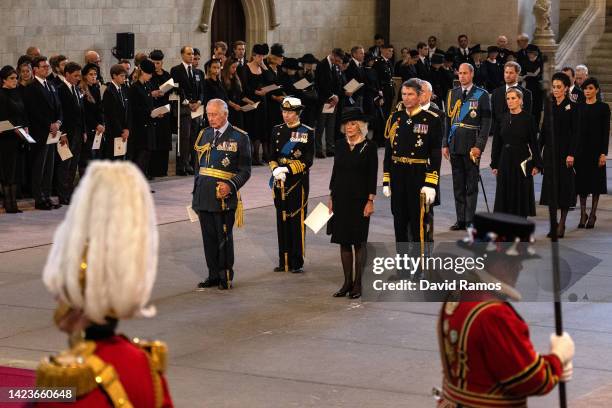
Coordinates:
(228,23)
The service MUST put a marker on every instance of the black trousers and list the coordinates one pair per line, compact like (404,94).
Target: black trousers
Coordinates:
(187,138)
(291,233)
(218,243)
(66,170)
(326,123)
(141,157)
(465,186)
(42,171)
(406,184)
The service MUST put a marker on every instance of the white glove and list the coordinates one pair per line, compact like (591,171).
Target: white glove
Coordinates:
(563,346)
(568,372)
(282,177)
(430,194)
(277,172)
(387,191)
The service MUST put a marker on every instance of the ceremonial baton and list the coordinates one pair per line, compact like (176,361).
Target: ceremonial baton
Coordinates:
(484,193)
(226,240)
(552,212)
(284,232)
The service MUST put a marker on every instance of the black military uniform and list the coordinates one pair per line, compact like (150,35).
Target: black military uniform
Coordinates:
(412,161)
(468,126)
(384,71)
(292,148)
(223,155)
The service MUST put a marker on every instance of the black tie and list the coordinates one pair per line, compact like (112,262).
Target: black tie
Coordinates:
(464,96)
(76,95)
(216,139)
(121,96)
(47,86)
(190,73)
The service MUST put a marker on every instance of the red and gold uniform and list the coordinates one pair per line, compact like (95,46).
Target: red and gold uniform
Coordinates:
(488,359)
(109,372)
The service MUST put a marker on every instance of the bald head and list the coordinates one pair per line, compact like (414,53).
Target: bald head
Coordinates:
(33,52)
(92,57)
(502,41)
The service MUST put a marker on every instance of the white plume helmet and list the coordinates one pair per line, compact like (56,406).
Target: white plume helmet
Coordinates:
(109,233)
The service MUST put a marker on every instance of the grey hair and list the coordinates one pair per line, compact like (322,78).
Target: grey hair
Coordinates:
(426,85)
(219,102)
(582,68)
(415,84)
(523,36)
(469,66)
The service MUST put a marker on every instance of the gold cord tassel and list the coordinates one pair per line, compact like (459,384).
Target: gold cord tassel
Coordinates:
(239,220)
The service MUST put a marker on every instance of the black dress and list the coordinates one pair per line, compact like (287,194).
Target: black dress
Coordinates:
(213,89)
(595,124)
(512,142)
(566,134)
(11,145)
(158,165)
(234,94)
(142,131)
(94,116)
(353,180)
(255,120)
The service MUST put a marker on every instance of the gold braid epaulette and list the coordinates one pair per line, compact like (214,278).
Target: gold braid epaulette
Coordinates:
(82,369)
(157,354)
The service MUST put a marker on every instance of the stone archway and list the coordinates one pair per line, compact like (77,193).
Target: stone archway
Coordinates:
(260,17)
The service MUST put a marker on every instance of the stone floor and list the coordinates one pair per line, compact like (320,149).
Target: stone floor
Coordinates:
(281,340)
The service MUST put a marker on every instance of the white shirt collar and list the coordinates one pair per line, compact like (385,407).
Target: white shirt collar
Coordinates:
(422,58)
(41,80)
(572,88)
(187,66)
(356,62)
(116,86)
(331,64)
(223,128)
(68,84)
(511,86)
(466,88)
(426,106)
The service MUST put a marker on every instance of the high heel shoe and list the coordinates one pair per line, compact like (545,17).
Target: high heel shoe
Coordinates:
(583,220)
(342,292)
(591,223)
(560,230)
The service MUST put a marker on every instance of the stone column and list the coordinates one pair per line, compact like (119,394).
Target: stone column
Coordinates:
(544,37)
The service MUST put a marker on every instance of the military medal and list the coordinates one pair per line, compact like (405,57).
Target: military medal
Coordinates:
(419,142)
(297,154)
(409,121)
(225,162)
(473,114)
(453,336)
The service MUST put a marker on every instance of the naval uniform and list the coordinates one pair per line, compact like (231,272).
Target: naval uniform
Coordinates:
(223,155)
(292,147)
(488,359)
(412,161)
(468,125)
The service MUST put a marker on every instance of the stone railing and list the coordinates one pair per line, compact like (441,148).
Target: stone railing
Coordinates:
(582,36)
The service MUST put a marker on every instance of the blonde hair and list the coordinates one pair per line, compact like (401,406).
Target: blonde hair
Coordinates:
(363,127)
(110,234)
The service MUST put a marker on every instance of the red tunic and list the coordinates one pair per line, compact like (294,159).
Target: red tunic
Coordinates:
(488,359)
(136,375)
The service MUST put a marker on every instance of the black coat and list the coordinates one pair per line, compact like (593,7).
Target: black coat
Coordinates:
(116,109)
(142,132)
(73,112)
(423,70)
(499,105)
(42,108)
(192,90)
(94,113)
(328,81)
(214,90)
(359,75)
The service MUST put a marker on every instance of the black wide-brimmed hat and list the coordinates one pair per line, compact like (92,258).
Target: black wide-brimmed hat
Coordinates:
(156,55)
(532,48)
(437,58)
(308,59)
(502,235)
(351,114)
(291,63)
(492,48)
(147,66)
(261,49)
(277,50)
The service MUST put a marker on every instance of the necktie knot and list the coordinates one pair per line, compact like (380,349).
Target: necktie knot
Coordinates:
(464,96)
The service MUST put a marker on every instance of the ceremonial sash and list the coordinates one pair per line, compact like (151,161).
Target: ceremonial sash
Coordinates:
(286,150)
(465,109)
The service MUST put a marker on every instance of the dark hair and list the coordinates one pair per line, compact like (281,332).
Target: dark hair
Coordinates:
(421,45)
(71,67)
(415,84)
(117,69)
(24,59)
(124,61)
(222,45)
(405,48)
(590,81)
(37,60)
(196,51)
(386,46)
(338,52)
(432,37)
(355,49)
(156,55)
(6,72)
(227,80)
(570,69)
(56,60)
(561,76)
(209,64)
(237,43)
(461,36)
(513,64)
(378,37)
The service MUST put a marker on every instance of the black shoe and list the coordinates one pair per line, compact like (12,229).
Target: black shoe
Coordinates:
(342,292)
(224,285)
(591,223)
(189,170)
(55,206)
(64,201)
(181,173)
(320,156)
(297,270)
(458,226)
(329,154)
(583,220)
(355,295)
(208,283)
(279,269)
(43,206)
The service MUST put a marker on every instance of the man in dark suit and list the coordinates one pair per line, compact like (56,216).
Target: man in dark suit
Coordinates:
(73,126)
(383,66)
(191,87)
(374,50)
(499,106)
(423,65)
(224,158)
(56,77)
(575,93)
(468,125)
(356,71)
(328,83)
(116,112)
(239,51)
(462,54)
(45,115)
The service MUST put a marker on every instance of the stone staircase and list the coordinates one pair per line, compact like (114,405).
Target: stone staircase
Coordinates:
(600,59)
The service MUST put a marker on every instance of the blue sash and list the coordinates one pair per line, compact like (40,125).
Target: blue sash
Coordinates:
(286,150)
(465,109)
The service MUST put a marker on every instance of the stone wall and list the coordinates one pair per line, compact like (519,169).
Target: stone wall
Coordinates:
(569,10)
(481,20)
(72,26)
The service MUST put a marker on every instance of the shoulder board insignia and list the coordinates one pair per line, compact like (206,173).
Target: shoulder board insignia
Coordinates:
(279,125)
(157,352)
(239,130)
(69,369)
(434,114)
(307,127)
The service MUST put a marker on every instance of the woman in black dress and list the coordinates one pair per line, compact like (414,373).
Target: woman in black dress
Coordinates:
(142,132)
(592,151)
(561,131)
(11,144)
(255,120)
(158,165)
(352,192)
(94,115)
(213,87)
(515,141)
(233,89)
